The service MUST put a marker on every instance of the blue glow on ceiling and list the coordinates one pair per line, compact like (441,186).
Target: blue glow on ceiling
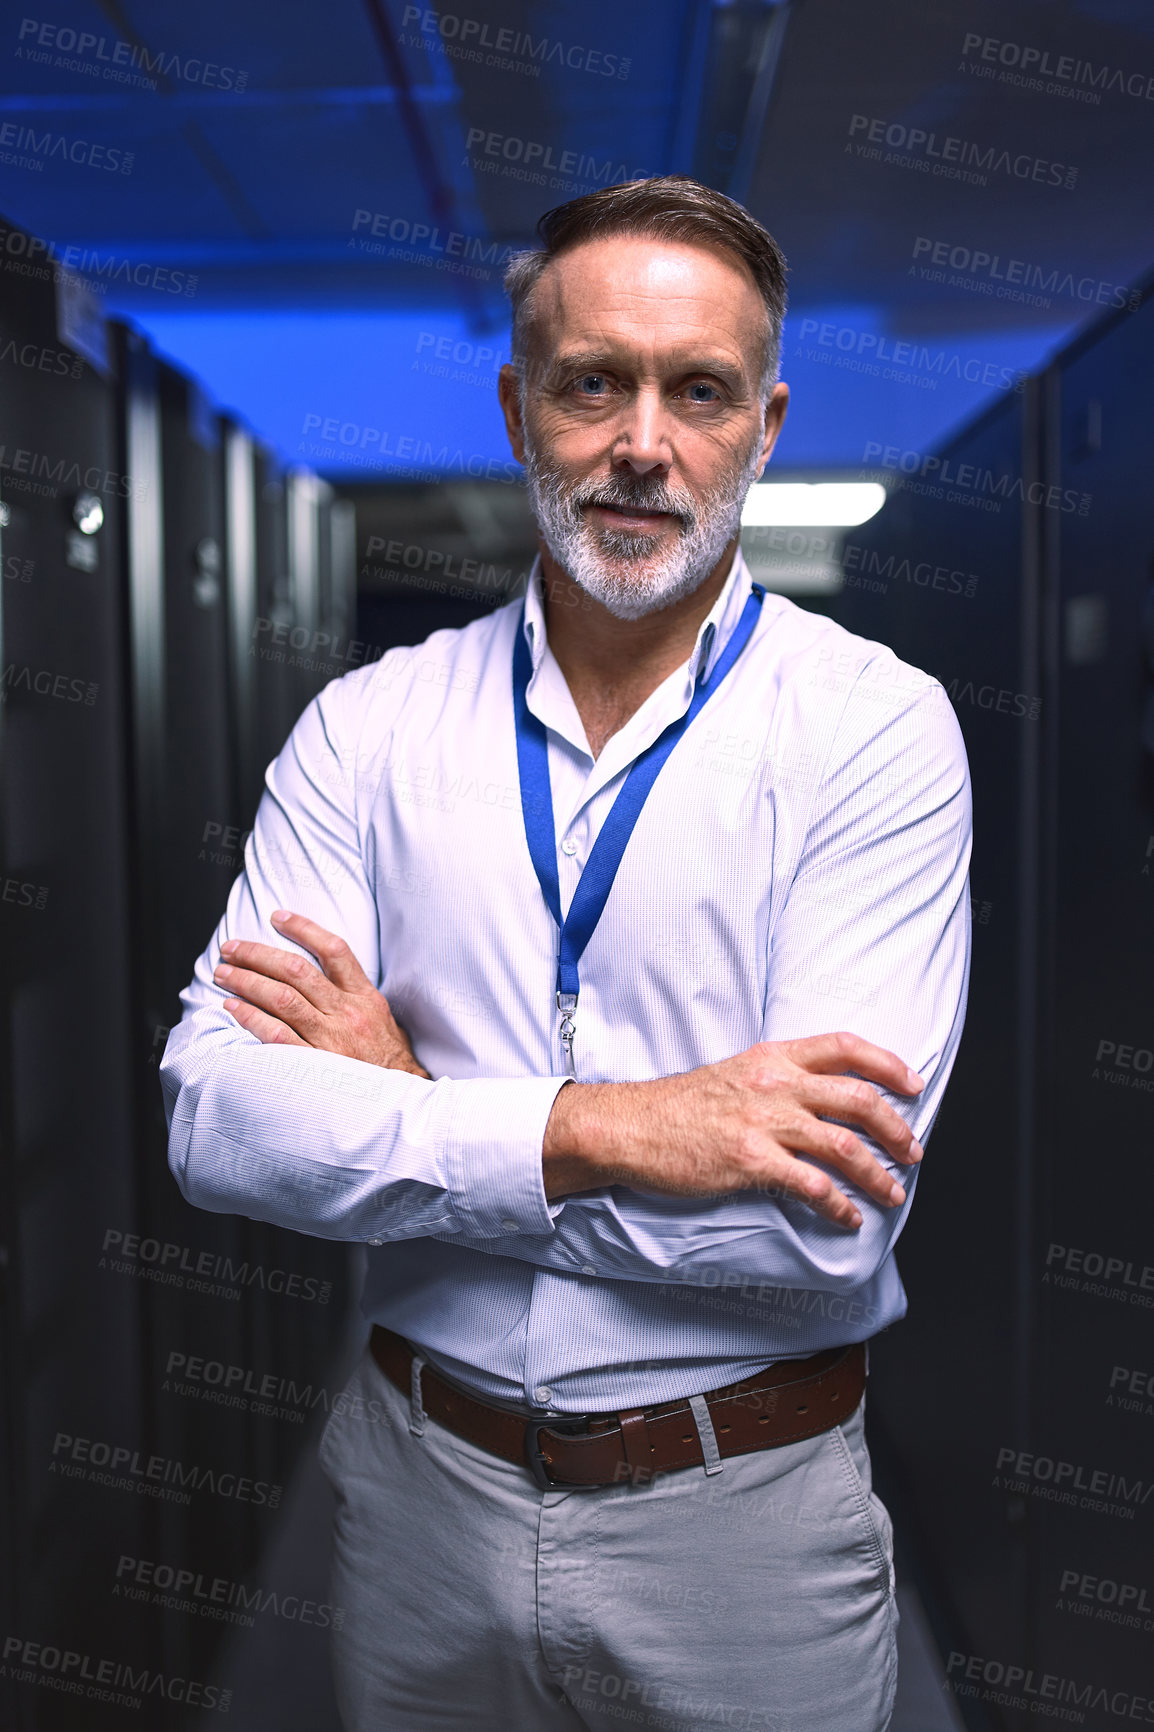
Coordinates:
(857,381)
(409,392)
(286,162)
(352,394)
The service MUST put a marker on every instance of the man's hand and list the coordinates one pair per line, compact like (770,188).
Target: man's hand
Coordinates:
(739,1126)
(291,1003)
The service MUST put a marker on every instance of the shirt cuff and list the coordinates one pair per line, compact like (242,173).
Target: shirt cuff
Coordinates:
(492,1155)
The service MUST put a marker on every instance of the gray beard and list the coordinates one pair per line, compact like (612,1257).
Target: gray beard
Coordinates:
(625,572)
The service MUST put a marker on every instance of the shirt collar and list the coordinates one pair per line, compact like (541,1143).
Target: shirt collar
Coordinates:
(712,635)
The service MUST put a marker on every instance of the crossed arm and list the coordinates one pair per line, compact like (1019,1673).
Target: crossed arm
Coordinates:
(739,1125)
(792,1161)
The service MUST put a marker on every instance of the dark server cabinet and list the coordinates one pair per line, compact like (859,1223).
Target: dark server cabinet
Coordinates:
(283,582)
(236,1317)
(146,552)
(304,593)
(74,1409)
(1092,1267)
(945,575)
(186,838)
(290,573)
(1016,1402)
(204,854)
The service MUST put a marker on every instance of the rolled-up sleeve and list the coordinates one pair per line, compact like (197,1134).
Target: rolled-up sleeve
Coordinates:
(305,1139)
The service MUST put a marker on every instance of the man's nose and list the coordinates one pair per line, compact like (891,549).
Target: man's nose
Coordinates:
(642,436)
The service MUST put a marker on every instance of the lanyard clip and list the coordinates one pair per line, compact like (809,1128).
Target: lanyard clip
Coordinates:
(567,1004)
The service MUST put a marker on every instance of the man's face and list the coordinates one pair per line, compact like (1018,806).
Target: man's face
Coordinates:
(642,425)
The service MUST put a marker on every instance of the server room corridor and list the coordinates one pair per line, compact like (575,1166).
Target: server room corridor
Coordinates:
(268,499)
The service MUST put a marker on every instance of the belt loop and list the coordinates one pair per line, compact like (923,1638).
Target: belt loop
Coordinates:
(637,1447)
(704,1422)
(416,1409)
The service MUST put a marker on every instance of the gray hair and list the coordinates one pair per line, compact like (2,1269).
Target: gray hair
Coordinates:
(669,207)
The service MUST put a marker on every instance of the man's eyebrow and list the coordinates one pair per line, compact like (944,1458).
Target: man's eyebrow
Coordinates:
(605,361)
(580,361)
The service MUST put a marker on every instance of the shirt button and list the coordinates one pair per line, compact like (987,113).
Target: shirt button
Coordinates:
(588,1269)
(376,1241)
(512,1225)
(568,846)
(542,1395)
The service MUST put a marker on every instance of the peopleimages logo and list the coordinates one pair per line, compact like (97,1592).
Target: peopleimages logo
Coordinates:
(535,161)
(1077,1261)
(202,1271)
(1105,1600)
(504,48)
(1022,1687)
(424,237)
(24,147)
(1006,277)
(870,568)
(185,1590)
(356,444)
(77,1674)
(970,483)
(126,1469)
(1070,1482)
(1039,63)
(51,44)
(258,1392)
(37,471)
(955,158)
(875,349)
(97,269)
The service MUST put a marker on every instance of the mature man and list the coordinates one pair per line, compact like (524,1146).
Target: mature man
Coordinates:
(675,976)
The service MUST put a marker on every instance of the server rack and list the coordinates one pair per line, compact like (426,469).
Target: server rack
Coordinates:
(1009,1407)
(191,818)
(322,557)
(284,575)
(140,538)
(185,839)
(72,1308)
(1092,1268)
(946,576)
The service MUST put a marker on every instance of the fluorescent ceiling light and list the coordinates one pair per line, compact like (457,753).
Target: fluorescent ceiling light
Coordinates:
(803,504)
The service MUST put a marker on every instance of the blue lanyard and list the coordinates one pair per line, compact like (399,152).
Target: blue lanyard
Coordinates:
(596,880)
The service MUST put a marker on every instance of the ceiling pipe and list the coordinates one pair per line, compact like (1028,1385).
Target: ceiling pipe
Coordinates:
(757,108)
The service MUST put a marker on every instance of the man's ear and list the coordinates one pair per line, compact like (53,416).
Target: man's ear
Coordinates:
(775,410)
(508,392)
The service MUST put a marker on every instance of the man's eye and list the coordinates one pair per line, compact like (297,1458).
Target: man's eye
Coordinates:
(592,385)
(700,392)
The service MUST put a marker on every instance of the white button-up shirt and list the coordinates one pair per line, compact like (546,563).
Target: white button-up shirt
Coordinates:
(800,866)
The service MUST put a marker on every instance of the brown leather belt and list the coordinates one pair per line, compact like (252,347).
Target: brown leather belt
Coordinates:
(786,1403)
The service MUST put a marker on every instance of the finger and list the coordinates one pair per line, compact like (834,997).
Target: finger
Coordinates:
(266,1028)
(331,951)
(800,1183)
(828,1054)
(856,1101)
(836,1145)
(277,999)
(245,956)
